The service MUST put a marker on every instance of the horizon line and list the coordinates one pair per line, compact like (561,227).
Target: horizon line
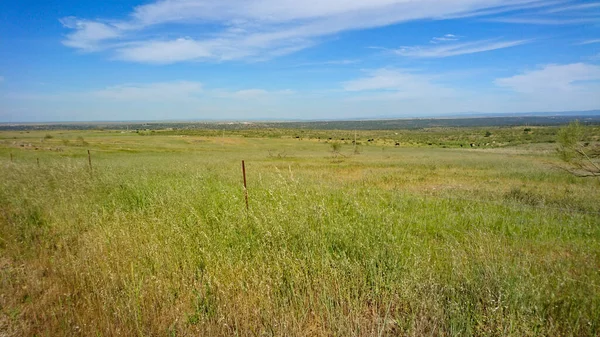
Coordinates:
(469,115)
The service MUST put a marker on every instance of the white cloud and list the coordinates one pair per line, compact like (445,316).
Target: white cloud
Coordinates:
(456,49)
(589,42)
(340,62)
(514,7)
(220,49)
(544,21)
(329,63)
(145,101)
(178,91)
(559,12)
(549,88)
(164,92)
(167,51)
(250,94)
(445,38)
(399,84)
(88,35)
(254,29)
(572,8)
(262,10)
(150,92)
(553,88)
(556,79)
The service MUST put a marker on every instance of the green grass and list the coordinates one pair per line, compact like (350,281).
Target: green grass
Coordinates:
(406,240)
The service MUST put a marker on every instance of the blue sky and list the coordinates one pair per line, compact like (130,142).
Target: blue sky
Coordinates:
(67,60)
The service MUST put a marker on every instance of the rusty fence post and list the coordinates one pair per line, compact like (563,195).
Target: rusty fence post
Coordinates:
(90,161)
(245,187)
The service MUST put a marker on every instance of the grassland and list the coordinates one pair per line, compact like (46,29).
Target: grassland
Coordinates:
(422,239)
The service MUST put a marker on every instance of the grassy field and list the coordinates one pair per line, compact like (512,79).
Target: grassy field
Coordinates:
(422,239)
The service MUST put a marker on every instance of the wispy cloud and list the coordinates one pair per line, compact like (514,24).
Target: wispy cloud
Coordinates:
(553,79)
(555,13)
(171,51)
(548,88)
(455,49)
(250,94)
(571,8)
(255,29)
(589,42)
(154,100)
(399,84)
(505,8)
(562,12)
(164,92)
(544,21)
(554,87)
(329,63)
(445,38)
(149,92)
(88,35)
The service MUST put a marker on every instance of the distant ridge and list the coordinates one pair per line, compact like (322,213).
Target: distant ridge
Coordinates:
(468,115)
(471,120)
(524,114)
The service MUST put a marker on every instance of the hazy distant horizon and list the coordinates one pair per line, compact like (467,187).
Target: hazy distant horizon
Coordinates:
(281,120)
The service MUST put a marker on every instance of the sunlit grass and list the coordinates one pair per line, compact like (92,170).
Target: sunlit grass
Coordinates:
(392,241)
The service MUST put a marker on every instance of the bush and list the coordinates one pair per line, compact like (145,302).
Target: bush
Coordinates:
(82,141)
(578,159)
(336,147)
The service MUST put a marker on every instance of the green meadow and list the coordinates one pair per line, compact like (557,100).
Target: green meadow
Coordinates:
(430,237)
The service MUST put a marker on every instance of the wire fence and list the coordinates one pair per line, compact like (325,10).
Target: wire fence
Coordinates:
(503,203)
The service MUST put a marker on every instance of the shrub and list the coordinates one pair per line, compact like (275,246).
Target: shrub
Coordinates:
(82,141)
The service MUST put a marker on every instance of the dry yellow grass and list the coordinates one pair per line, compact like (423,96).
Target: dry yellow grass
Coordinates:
(401,241)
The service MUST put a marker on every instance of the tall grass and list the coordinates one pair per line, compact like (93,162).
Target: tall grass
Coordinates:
(160,243)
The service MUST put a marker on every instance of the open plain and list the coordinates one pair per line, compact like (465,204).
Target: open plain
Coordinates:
(436,231)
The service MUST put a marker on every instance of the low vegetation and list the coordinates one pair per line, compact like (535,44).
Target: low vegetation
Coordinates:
(410,239)
(581,159)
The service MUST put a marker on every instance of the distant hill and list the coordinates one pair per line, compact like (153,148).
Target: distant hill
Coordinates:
(474,120)
(525,114)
